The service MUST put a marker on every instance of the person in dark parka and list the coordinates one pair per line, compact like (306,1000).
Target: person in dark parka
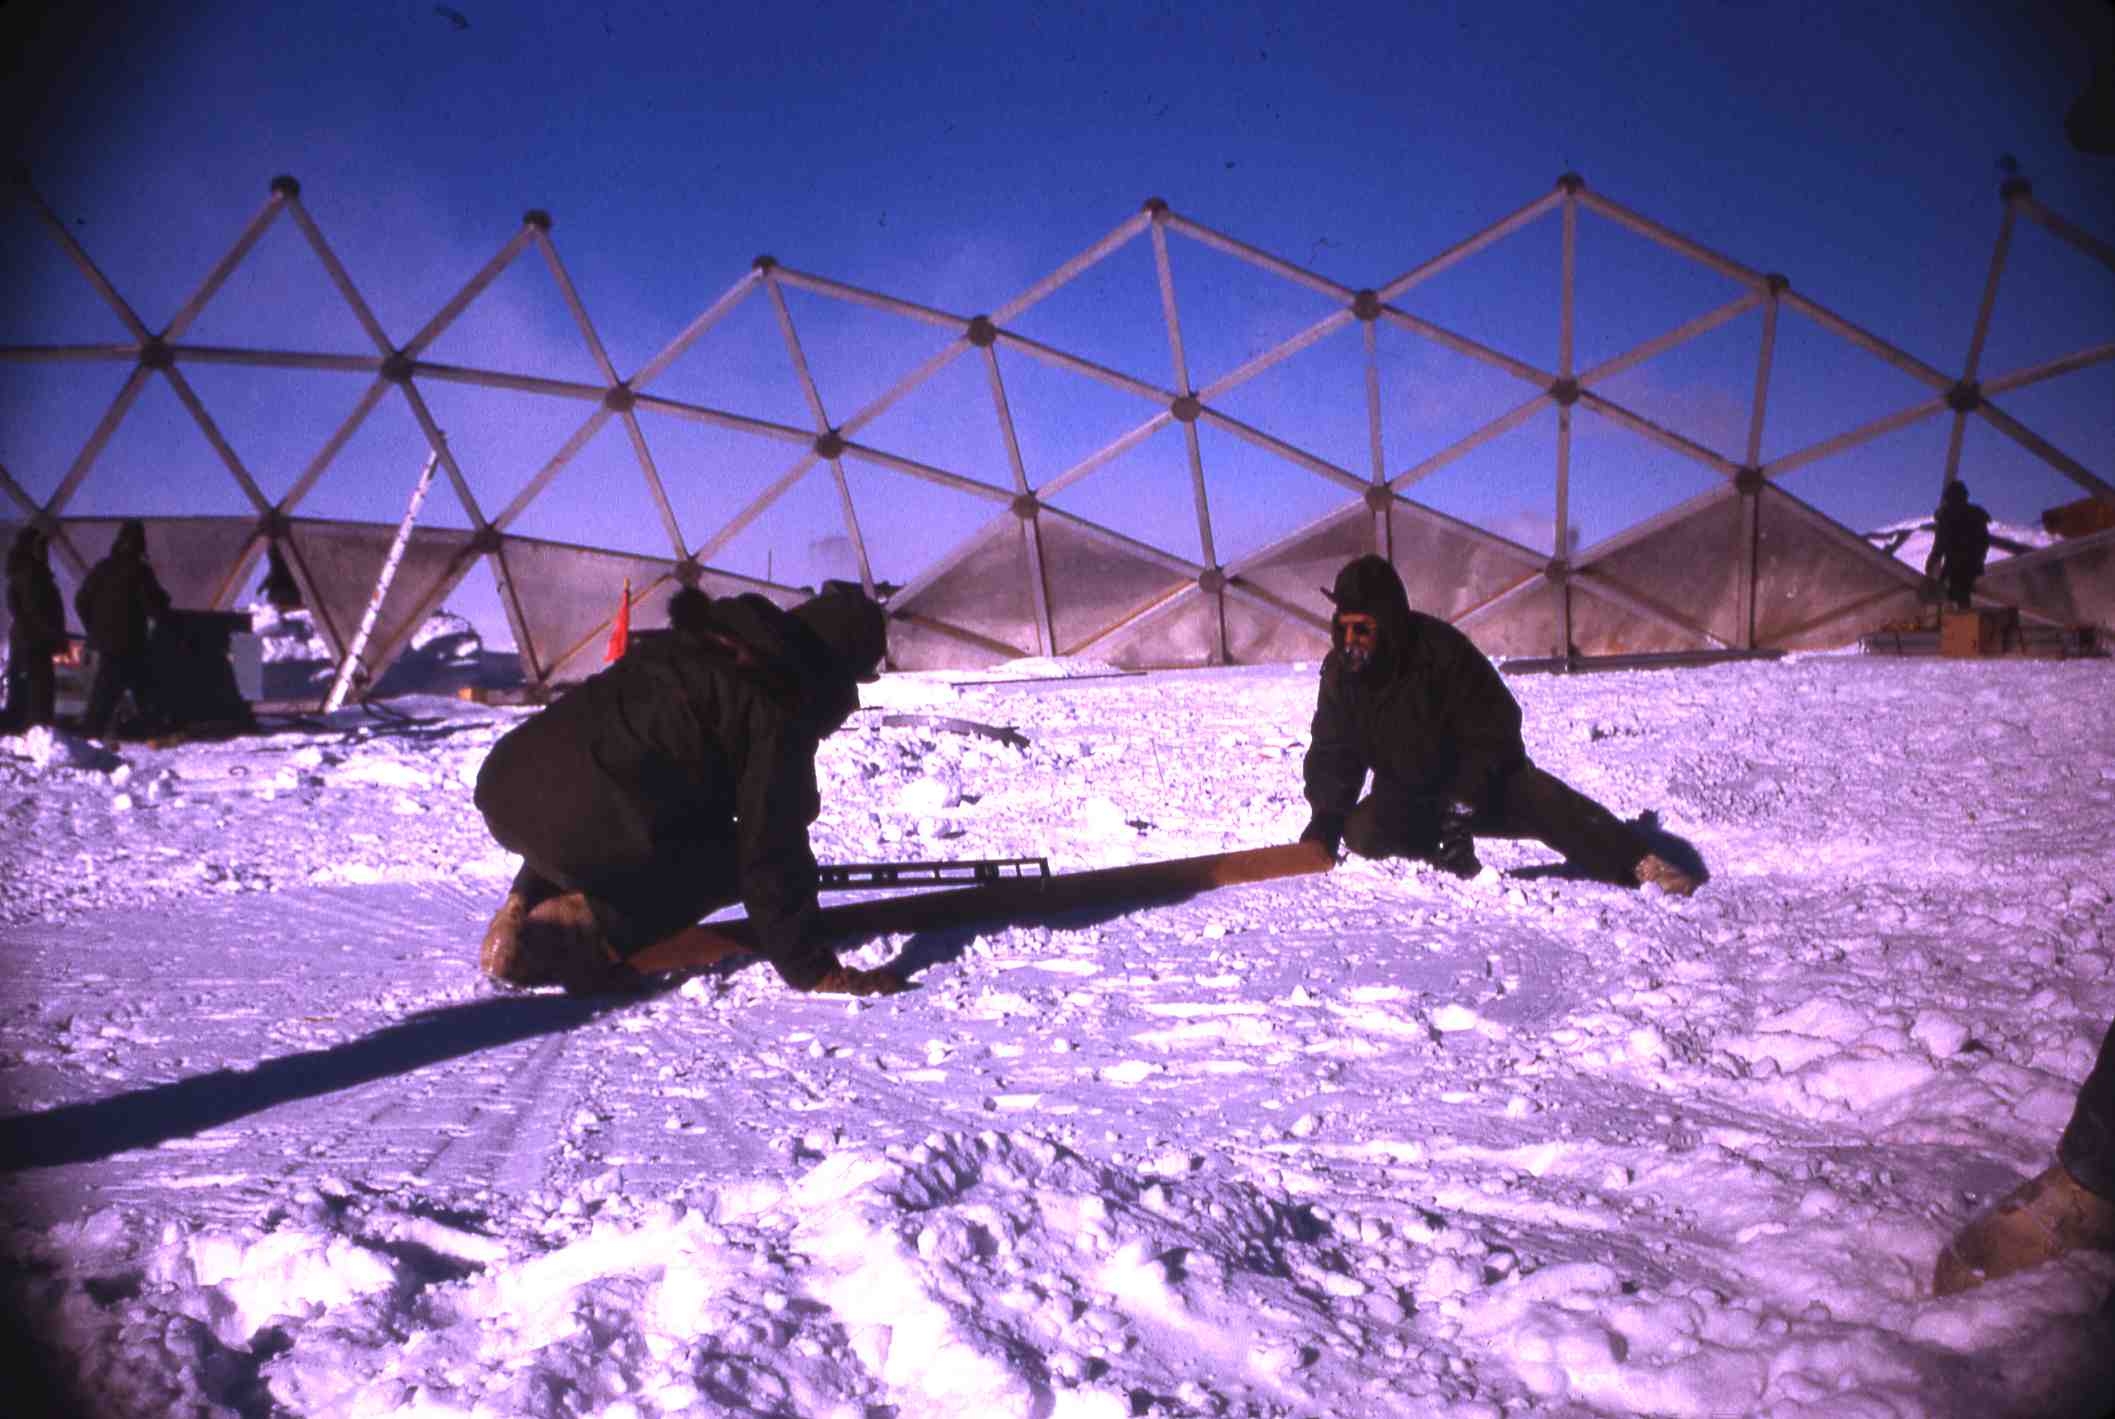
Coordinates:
(1409,698)
(115,602)
(1960,543)
(677,780)
(2069,1206)
(36,631)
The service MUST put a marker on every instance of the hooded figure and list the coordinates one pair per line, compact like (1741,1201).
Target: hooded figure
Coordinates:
(1960,543)
(677,780)
(1410,699)
(36,630)
(115,603)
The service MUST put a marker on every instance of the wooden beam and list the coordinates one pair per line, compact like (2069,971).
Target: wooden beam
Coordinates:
(1018,899)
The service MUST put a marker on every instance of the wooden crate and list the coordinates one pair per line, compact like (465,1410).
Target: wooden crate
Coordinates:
(1973,633)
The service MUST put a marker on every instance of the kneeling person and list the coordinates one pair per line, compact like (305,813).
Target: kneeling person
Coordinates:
(678,780)
(1410,698)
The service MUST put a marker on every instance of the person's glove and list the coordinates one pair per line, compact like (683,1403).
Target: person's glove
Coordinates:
(850,980)
(1456,851)
(1326,829)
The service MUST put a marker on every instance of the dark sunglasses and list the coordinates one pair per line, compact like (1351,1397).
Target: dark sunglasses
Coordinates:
(1359,628)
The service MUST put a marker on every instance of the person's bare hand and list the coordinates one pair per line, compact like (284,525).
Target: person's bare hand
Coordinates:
(850,980)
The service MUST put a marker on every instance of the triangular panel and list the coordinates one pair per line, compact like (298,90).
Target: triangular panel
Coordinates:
(979,611)
(1096,583)
(2072,583)
(569,596)
(1447,569)
(338,565)
(1182,633)
(192,557)
(1689,564)
(1297,569)
(1817,588)
(1260,635)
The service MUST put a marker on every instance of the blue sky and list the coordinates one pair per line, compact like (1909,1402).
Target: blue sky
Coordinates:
(952,155)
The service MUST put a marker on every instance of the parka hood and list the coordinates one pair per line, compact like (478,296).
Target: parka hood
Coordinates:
(1369,586)
(775,645)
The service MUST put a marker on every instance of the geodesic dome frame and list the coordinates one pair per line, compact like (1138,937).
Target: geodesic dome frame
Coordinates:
(1742,565)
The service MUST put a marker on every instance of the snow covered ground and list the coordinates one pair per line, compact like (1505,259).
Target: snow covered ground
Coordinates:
(1375,1143)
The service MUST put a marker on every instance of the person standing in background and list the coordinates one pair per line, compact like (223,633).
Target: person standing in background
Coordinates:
(115,604)
(36,631)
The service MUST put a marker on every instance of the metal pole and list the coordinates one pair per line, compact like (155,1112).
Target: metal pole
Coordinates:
(346,669)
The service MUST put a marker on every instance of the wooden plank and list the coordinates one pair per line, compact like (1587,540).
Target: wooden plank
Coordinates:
(1015,899)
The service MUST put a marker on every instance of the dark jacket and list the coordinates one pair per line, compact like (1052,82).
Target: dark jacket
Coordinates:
(1960,542)
(1429,716)
(706,733)
(120,593)
(36,612)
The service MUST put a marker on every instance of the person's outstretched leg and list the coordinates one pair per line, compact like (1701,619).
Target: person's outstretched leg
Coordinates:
(1540,805)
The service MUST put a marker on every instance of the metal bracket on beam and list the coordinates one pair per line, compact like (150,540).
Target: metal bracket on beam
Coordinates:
(1557,571)
(538,218)
(1378,498)
(1186,408)
(830,445)
(619,399)
(286,187)
(156,354)
(1025,506)
(1965,397)
(1565,392)
(982,333)
(397,367)
(1366,305)
(1211,581)
(1749,481)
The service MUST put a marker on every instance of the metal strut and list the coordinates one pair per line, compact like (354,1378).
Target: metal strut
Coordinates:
(351,665)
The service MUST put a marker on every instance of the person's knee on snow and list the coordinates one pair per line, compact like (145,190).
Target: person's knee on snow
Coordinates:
(678,778)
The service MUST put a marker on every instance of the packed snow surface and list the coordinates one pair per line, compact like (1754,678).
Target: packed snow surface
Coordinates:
(1379,1142)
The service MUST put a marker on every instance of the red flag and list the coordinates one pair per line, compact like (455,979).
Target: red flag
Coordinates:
(620,627)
